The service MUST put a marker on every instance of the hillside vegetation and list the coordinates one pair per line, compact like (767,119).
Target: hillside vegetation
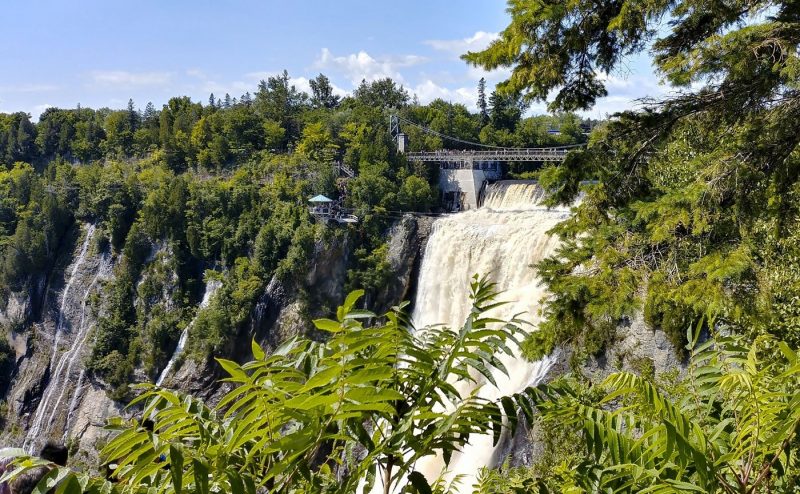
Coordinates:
(222,185)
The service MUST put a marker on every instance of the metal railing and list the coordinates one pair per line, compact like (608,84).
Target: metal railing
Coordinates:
(522,154)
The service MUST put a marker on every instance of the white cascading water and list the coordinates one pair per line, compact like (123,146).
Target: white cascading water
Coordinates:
(503,240)
(211,288)
(76,353)
(58,375)
(75,266)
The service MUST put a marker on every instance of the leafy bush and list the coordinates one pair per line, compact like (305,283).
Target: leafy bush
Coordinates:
(731,426)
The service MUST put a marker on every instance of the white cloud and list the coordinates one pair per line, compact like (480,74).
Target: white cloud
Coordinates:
(626,90)
(362,65)
(458,47)
(196,73)
(613,82)
(304,84)
(234,88)
(428,91)
(28,88)
(37,110)
(261,76)
(492,77)
(611,104)
(129,79)
(249,83)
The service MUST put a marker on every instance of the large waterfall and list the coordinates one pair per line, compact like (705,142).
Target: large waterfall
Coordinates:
(503,239)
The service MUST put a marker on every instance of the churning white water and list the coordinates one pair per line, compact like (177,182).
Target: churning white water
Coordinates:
(514,195)
(60,371)
(503,240)
(211,288)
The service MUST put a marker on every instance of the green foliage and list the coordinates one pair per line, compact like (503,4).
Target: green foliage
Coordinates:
(687,207)
(322,95)
(319,417)
(372,270)
(731,426)
(17,138)
(34,223)
(382,93)
(216,326)
(316,143)
(416,194)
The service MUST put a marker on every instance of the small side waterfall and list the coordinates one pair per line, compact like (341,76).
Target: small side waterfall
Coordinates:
(211,288)
(60,370)
(502,239)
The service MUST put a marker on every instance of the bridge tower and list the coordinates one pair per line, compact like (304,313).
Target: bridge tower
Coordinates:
(400,138)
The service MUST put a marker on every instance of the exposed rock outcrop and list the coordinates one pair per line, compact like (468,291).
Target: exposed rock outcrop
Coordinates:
(637,348)
(16,311)
(285,309)
(407,239)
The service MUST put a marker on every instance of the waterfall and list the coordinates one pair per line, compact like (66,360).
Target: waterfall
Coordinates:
(75,266)
(76,351)
(503,239)
(59,371)
(513,195)
(211,287)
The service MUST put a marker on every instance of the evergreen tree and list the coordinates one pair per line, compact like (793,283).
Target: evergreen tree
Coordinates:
(211,101)
(134,117)
(505,111)
(24,149)
(482,106)
(150,114)
(280,101)
(690,204)
(322,93)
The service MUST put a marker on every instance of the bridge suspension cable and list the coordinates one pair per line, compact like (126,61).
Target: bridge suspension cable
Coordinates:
(476,144)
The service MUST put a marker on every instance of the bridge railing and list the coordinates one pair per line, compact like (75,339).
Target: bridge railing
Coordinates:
(522,154)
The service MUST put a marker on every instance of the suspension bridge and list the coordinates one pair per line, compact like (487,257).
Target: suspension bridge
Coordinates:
(454,157)
(473,152)
(465,174)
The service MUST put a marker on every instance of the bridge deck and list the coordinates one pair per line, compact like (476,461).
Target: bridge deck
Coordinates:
(523,154)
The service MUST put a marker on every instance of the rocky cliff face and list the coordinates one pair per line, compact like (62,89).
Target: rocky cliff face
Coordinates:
(637,348)
(407,240)
(285,310)
(50,395)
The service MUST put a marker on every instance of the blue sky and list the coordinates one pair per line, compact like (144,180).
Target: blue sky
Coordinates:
(102,52)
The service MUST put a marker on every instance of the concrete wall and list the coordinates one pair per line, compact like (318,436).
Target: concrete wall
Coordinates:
(465,184)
